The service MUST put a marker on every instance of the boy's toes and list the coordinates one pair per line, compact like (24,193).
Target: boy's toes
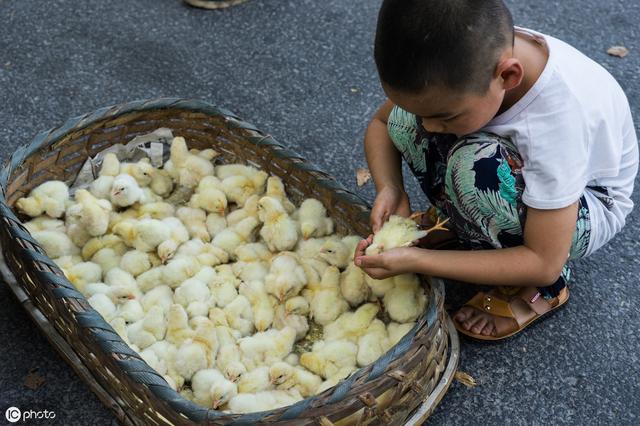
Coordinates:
(479,326)
(463,314)
(488,330)
(471,321)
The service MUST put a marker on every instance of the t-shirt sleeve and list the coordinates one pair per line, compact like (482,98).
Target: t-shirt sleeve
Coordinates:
(555,169)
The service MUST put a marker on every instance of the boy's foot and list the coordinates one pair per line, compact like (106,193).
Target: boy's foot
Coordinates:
(495,316)
(213,4)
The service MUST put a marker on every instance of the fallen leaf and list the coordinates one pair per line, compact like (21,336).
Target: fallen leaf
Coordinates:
(354,90)
(619,51)
(465,379)
(33,380)
(363,176)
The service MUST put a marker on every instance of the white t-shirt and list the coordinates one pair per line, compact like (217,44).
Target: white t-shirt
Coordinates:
(574,130)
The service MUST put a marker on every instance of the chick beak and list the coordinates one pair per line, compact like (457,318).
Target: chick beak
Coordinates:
(131,297)
(116,193)
(221,211)
(215,404)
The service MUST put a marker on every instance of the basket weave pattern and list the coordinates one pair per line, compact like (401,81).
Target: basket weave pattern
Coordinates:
(384,392)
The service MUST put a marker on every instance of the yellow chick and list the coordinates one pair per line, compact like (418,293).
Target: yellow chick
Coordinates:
(353,286)
(327,358)
(262,401)
(135,262)
(142,171)
(239,187)
(125,191)
(351,325)
(179,234)
(209,196)
(159,210)
(107,259)
(211,388)
(106,241)
(161,296)
(179,270)
(206,254)
(55,244)
(263,312)
(76,230)
(45,223)
(215,223)
(255,380)
(161,183)
(103,305)
(279,231)
(327,303)
(267,347)
(147,331)
(373,343)
(286,277)
(117,277)
(84,273)
(234,236)
(178,329)
(194,296)
(110,165)
(101,187)
(406,301)
(339,251)
(240,315)
(195,221)
(313,219)
(144,234)
(398,231)
(48,198)
(94,215)
(397,331)
(286,377)
(197,353)
(150,279)
(379,287)
(67,262)
(186,168)
(283,319)
(249,209)
(275,189)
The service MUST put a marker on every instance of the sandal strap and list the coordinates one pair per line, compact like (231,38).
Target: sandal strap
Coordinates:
(491,305)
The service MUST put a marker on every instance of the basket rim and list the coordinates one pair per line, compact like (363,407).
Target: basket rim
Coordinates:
(100,329)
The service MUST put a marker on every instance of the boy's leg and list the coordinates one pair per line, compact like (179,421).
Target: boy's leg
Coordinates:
(484,187)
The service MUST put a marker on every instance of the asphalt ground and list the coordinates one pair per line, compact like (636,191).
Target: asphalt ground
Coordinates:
(303,71)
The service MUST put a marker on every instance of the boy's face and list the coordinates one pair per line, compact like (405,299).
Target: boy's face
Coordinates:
(446,111)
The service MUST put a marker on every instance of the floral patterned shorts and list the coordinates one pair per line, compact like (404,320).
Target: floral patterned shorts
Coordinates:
(476,181)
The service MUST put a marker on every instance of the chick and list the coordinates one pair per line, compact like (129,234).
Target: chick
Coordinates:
(249,209)
(256,380)
(215,224)
(154,361)
(286,277)
(397,331)
(45,223)
(49,198)
(161,183)
(117,277)
(131,310)
(159,210)
(327,303)
(125,191)
(104,305)
(279,231)
(263,312)
(106,241)
(292,315)
(206,254)
(373,343)
(107,259)
(339,251)
(275,189)
(194,296)
(209,196)
(195,221)
(67,262)
(240,315)
(84,273)
(186,168)
(234,236)
(197,353)
(328,358)
(223,287)
(398,231)
(313,219)
(110,165)
(179,270)
(406,301)
(151,328)
(142,171)
(212,389)
(144,234)
(351,325)
(150,279)
(101,187)
(179,234)
(161,296)
(178,329)
(239,187)
(55,244)
(335,379)
(379,287)
(267,347)
(353,286)
(263,401)
(135,262)
(286,377)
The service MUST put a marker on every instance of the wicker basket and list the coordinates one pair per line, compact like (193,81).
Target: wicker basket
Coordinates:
(407,378)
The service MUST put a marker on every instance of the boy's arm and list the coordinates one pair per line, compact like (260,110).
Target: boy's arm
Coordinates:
(538,262)
(385,164)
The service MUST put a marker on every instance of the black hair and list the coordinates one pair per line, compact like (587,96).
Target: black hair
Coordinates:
(450,43)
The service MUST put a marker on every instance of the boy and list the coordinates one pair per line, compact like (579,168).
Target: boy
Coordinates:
(524,143)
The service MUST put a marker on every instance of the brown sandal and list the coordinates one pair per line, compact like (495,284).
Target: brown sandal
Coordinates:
(503,308)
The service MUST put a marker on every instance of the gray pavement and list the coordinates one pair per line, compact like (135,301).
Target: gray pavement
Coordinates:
(303,71)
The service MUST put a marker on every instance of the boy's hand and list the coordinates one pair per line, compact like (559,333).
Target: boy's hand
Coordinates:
(390,263)
(389,201)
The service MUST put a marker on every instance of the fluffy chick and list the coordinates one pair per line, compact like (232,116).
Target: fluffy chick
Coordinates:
(125,191)
(211,388)
(275,189)
(263,311)
(285,377)
(406,301)
(286,277)
(234,236)
(195,221)
(328,358)
(48,198)
(238,187)
(256,380)
(313,219)
(327,303)
(194,296)
(351,325)
(239,315)
(144,234)
(142,171)
(209,196)
(55,244)
(279,231)
(135,262)
(398,231)
(188,169)
(373,343)
(339,251)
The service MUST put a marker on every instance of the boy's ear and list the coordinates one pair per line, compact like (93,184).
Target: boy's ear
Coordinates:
(511,73)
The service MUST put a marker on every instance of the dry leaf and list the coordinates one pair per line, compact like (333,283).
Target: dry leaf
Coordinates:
(354,90)
(465,379)
(619,51)
(33,380)
(362,176)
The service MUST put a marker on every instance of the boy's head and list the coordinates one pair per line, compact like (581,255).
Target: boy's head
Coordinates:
(448,61)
